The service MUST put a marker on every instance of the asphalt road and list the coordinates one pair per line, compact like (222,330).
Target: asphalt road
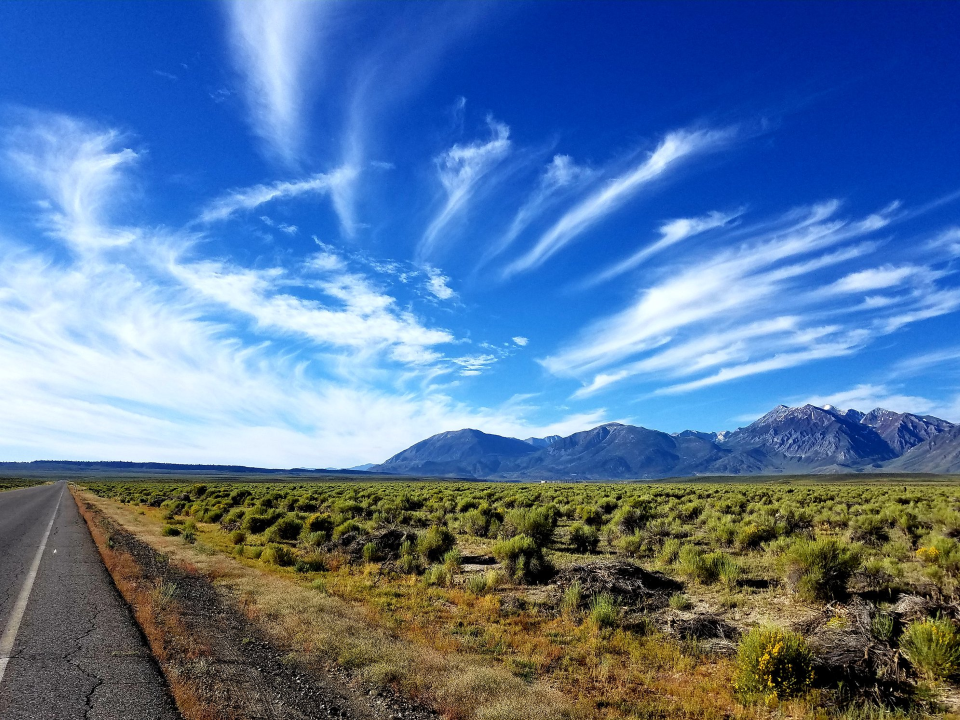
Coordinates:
(77,652)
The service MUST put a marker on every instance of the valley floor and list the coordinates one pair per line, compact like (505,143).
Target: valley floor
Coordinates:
(598,601)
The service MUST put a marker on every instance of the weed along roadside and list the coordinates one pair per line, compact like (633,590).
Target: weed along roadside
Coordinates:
(485,600)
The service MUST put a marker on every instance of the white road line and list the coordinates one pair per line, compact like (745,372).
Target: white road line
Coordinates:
(16,616)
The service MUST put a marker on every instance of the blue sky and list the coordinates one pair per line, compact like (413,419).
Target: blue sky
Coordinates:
(311,234)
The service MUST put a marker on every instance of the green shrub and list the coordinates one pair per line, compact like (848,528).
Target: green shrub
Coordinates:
(286,528)
(258,522)
(634,545)
(453,561)
(773,663)
(629,520)
(435,543)
(604,611)
(279,555)
(314,539)
(238,537)
(869,530)
(318,522)
(933,647)
(538,524)
(584,538)
(521,557)
(311,562)
(701,567)
(818,570)
(234,517)
(753,535)
(370,552)
(475,522)
(170,531)
(350,526)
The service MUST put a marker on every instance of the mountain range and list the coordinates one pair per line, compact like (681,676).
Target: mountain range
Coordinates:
(806,439)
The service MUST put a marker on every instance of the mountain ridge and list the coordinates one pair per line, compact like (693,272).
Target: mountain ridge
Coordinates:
(803,439)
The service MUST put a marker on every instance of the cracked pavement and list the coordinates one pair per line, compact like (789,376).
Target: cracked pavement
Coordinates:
(78,653)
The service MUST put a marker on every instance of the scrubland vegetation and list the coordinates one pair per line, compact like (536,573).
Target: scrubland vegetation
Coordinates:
(698,600)
(17,484)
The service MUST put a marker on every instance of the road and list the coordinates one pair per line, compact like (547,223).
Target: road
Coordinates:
(70,648)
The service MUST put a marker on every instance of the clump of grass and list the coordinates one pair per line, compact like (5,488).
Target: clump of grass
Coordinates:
(437,575)
(773,664)
(729,572)
(486,583)
(572,598)
(933,647)
(370,552)
(679,601)
(163,594)
(238,537)
(408,563)
(818,570)
(171,531)
(669,552)
(477,584)
(883,626)
(604,612)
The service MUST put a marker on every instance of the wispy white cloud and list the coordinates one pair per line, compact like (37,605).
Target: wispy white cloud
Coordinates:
(722,317)
(79,172)
(671,233)
(282,227)
(880,278)
(245,199)
(560,175)
(947,241)
(147,353)
(675,147)
(274,46)
(474,364)
(460,169)
(521,341)
(437,284)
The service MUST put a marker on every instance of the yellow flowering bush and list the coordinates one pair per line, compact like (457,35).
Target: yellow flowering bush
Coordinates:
(929,555)
(773,664)
(933,647)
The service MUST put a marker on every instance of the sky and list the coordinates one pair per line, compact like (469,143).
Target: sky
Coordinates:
(310,234)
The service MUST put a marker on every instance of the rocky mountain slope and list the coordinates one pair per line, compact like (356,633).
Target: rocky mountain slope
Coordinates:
(805,439)
(939,454)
